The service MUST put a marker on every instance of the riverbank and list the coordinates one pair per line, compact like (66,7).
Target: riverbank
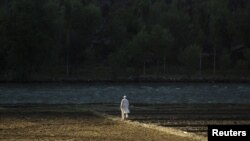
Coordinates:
(179,79)
(158,121)
(71,122)
(190,118)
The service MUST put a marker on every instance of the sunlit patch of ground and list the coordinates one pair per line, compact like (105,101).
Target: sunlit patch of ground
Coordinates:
(190,118)
(71,123)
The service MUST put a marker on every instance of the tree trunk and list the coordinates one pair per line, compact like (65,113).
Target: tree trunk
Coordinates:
(144,68)
(67,65)
(200,62)
(67,53)
(158,67)
(214,64)
(164,65)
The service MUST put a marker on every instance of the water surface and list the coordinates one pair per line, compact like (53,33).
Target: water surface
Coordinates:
(136,93)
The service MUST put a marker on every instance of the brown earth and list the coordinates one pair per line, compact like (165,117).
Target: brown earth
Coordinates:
(191,118)
(71,123)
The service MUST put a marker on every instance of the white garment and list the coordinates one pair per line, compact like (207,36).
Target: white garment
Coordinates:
(125,106)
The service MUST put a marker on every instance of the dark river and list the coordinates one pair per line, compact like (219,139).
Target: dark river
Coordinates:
(136,93)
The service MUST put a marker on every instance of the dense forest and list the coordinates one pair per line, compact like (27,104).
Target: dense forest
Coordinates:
(123,39)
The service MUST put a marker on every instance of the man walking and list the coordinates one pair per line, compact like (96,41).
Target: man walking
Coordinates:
(124,108)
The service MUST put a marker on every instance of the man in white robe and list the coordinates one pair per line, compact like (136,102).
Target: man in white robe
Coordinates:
(124,108)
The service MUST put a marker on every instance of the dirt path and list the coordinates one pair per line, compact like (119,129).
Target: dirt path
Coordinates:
(63,123)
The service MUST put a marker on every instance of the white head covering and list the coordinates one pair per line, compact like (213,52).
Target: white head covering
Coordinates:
(124,96)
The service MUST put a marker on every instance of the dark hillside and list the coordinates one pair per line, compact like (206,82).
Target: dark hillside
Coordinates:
(54,40)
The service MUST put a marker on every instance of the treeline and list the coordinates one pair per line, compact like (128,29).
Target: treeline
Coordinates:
(100,39)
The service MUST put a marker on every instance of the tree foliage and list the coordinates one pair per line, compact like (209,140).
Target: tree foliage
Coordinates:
(71,37)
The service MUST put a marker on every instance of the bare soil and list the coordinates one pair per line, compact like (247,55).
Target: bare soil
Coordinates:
(60,122)
(192,118)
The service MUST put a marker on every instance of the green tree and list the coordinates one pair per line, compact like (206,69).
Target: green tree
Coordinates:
(142,9)
(219,22)
(177,21)
(161,42)
(241,66)
(190,57)
(242,23)
(29,28)
(157,11)
(151,48)
(80,24)
(225,61)
(246,56)
(2,38)
(140,50)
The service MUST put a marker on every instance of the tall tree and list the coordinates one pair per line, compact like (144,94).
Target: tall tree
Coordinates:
(162,45)
(219,21)
(80,24)
(177,21)
(190,57)
(140,50)
(2,38)
(29,27)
